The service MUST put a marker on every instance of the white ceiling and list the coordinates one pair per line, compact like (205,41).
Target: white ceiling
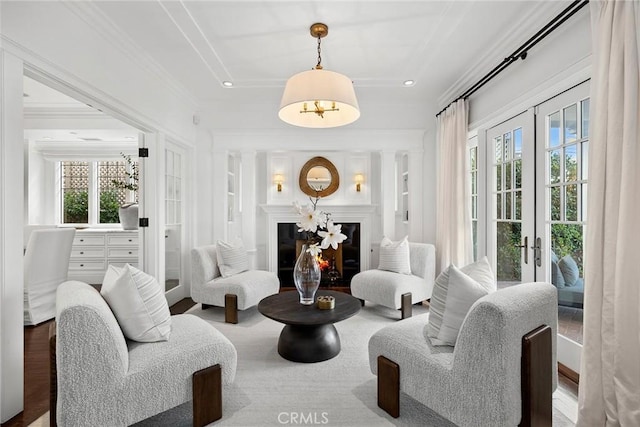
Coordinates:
(444,46)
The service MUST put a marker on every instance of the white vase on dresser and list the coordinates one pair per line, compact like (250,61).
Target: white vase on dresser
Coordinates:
(128,214)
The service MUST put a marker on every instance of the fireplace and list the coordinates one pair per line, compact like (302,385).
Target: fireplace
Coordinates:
(341,264)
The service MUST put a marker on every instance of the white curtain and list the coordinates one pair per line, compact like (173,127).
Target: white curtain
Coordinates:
(609,393)
(453,210)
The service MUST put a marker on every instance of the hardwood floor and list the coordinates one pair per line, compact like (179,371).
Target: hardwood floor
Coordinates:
(36,371)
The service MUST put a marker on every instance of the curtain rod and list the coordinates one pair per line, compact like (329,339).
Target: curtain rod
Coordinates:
(521,52)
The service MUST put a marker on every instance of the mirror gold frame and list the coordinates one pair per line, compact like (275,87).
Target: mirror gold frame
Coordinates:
(323,162)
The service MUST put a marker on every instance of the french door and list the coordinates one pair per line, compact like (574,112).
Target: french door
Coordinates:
(562,129)
(537,192)
(511,199)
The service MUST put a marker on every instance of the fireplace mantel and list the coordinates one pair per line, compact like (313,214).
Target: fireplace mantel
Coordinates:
(339,213)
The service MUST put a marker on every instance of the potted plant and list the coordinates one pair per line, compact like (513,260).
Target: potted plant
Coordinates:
(128,212)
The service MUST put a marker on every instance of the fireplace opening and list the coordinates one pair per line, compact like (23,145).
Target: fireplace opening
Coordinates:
(338,266)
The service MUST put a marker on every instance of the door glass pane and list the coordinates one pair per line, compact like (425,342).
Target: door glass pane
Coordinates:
(584,202)
(509,254)
(499,206)
(518,196)
(507,176)
(554,166)
(507,146)
(570,123)
(517,165)
(555,203)
(585,118)
(517,143)
(554,129)
(571,202)
(499,177)
(585,159)
(507,208)
(498,144)
(570,163)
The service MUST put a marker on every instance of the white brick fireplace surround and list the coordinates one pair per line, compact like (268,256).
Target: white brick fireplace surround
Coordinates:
(361,214)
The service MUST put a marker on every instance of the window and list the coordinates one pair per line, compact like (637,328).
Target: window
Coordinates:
(75,192)
(87,193)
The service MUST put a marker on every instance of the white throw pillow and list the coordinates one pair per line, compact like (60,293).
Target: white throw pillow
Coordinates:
(138,302)
(232,257)
(445,314)
(394,256)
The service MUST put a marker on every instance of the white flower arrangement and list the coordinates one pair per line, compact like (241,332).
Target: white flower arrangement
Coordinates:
(318,226)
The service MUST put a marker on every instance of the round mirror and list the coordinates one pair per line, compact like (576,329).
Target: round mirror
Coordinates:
(319,177)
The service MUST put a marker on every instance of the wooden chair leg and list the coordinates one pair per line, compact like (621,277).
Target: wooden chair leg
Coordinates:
(405,305)
(389,386)
(537,374)
(231,308)
(207,396)
(53,378)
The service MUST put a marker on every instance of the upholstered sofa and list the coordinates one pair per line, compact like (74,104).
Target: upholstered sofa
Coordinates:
(482,380)
(388,288)
(237,292)
(105,380)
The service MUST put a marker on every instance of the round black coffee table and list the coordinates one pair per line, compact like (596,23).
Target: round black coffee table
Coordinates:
(309,335)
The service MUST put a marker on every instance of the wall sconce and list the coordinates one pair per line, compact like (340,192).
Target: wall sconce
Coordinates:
(359,179)
(278,179)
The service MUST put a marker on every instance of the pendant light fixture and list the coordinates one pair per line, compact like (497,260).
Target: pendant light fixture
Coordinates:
(319,98)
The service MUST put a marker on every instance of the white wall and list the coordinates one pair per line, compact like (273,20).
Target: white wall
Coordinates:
(96,64)
(11,245)
(285,152)
(557,63)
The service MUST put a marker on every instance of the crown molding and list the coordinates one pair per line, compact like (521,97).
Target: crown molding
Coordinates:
(105,27)
(63,113)
(519,32)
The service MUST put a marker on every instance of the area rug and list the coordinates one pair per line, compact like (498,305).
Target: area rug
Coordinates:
(271,391)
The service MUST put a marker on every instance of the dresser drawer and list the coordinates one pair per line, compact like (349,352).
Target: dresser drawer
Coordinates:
(123,252)
(87,252)
(88,240)
(86,265)
(130,240)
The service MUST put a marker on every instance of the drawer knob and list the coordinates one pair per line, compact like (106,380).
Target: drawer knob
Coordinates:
(81,252)
(130,252)
(82,240)
(81,265)
(130,240)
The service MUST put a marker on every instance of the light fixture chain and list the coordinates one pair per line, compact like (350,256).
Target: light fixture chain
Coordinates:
(319,56)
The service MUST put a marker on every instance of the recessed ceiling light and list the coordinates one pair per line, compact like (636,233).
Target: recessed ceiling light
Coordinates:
(409,82)
(48,138)
(227,84)
(129,137)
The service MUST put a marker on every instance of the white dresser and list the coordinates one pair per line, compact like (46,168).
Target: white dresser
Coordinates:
(94,249)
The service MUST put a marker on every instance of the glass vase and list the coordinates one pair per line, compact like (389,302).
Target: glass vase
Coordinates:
(306,275)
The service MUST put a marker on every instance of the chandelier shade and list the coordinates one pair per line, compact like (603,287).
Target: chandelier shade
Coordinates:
(319,98)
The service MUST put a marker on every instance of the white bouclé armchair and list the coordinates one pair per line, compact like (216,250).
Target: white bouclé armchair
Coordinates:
(237,292)
(395,290)
(501,372)
(99,378)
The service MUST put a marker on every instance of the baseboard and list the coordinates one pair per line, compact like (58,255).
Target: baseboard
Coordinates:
(569,373)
